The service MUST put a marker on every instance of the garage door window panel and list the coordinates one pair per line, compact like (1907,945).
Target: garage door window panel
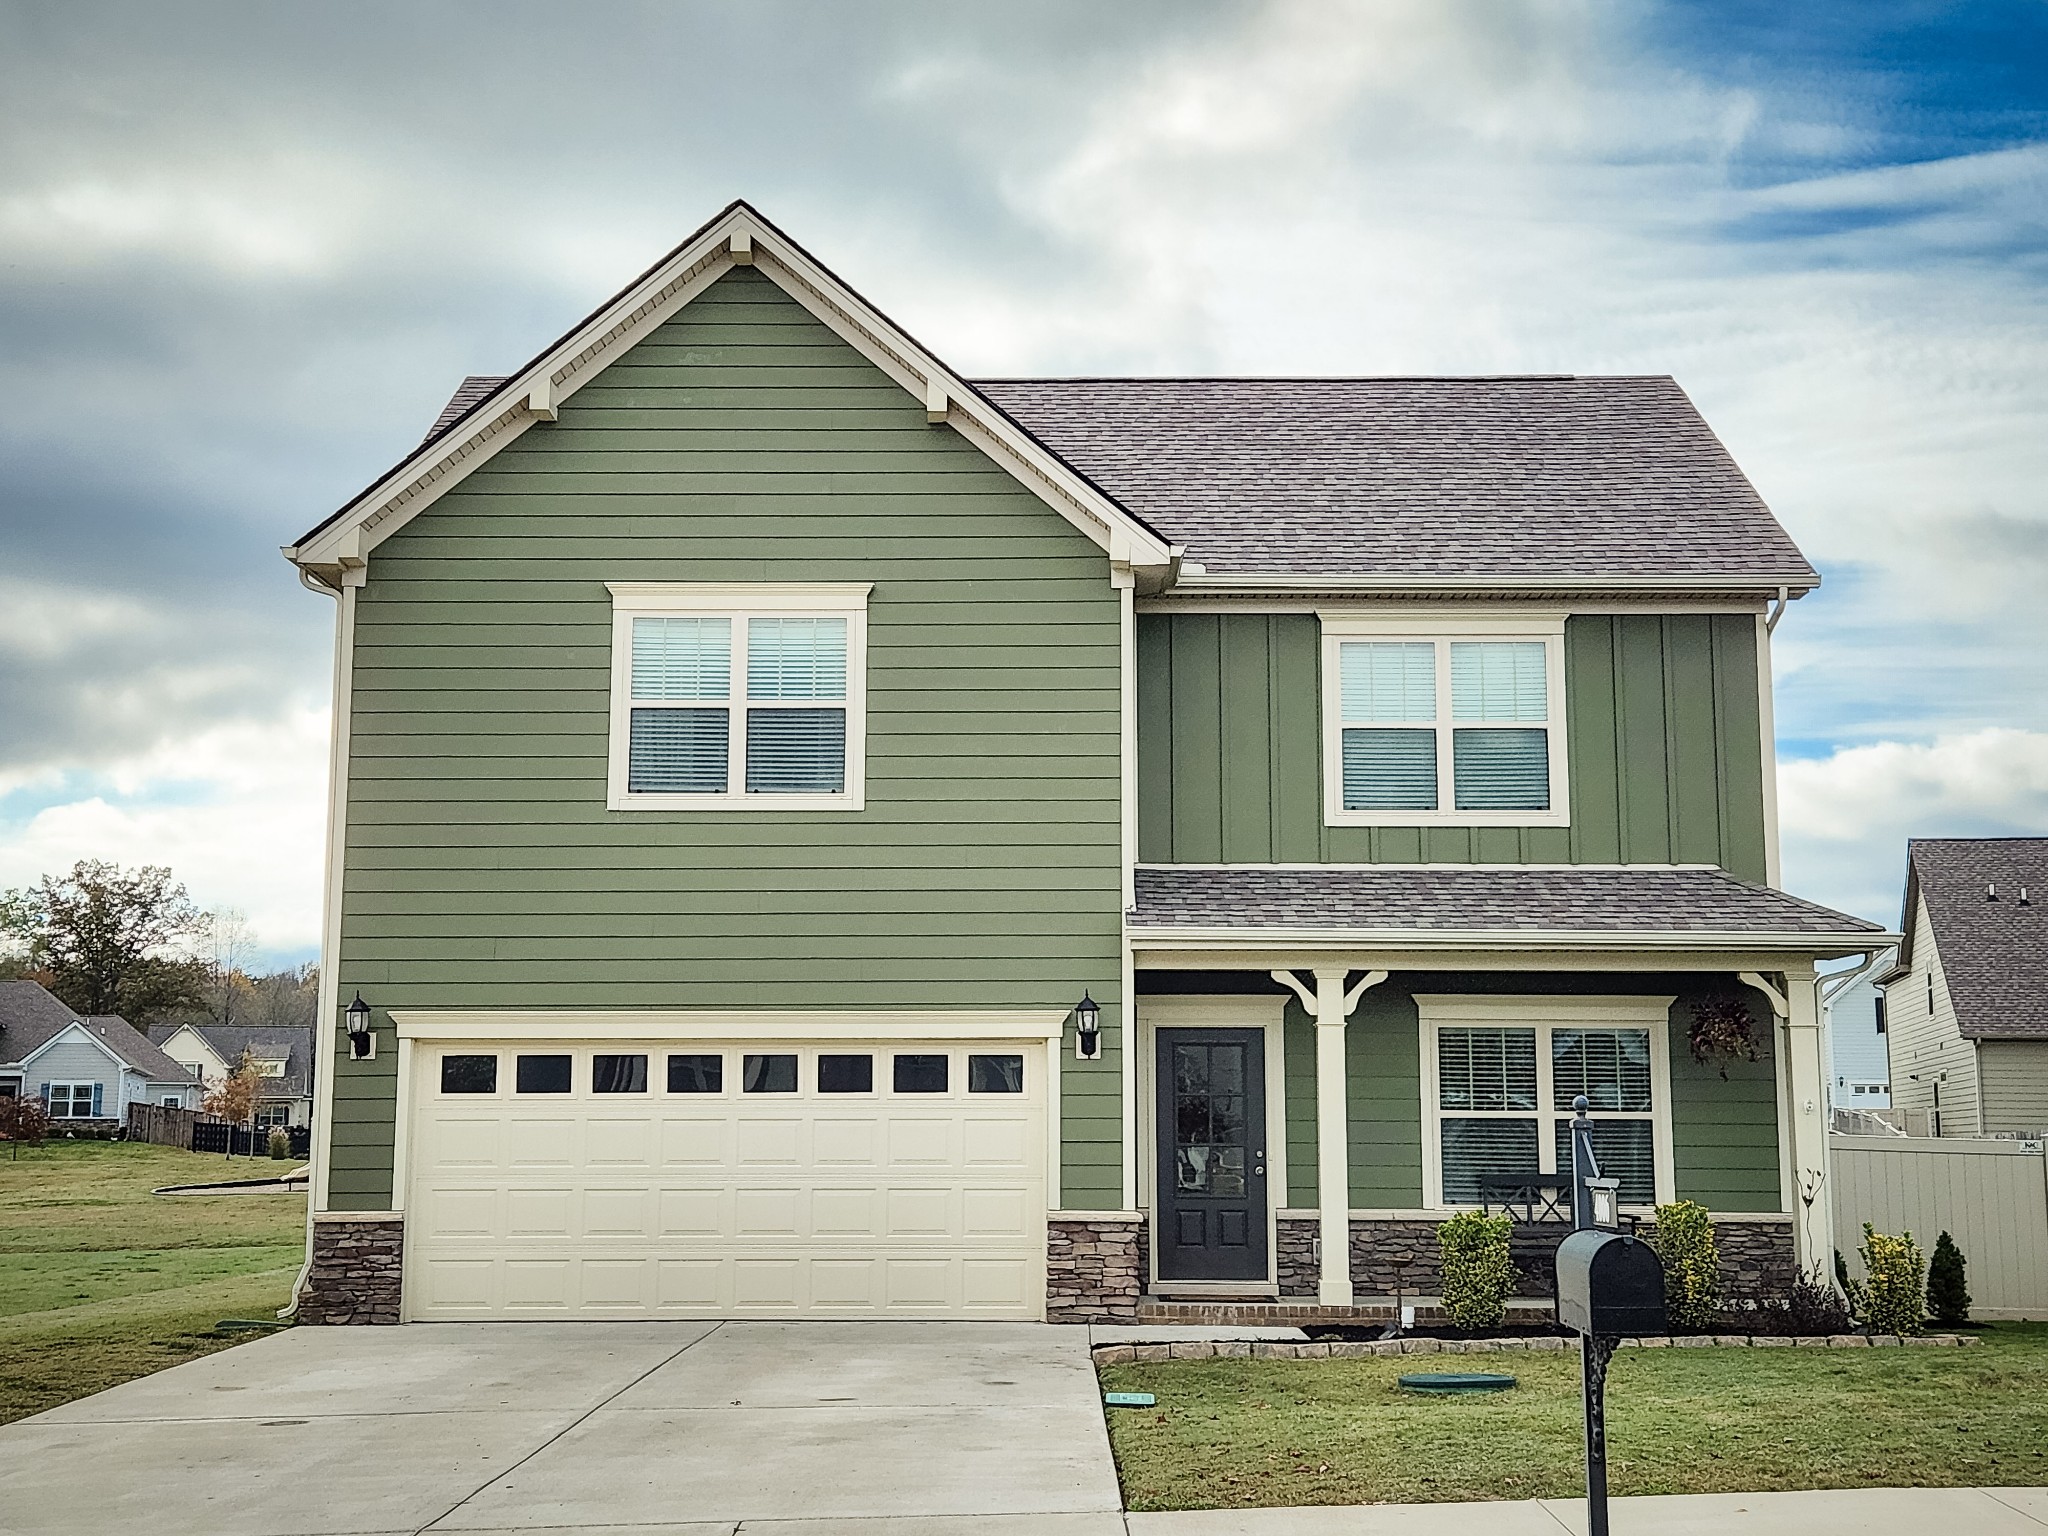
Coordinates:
(543,1074)
(618,1074)
(469,1074)
(924,1073)
(768,1073)
(995,1074)
(846,1074)
(696,1073)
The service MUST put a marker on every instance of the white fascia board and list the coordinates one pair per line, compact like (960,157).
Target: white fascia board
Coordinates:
(537,392)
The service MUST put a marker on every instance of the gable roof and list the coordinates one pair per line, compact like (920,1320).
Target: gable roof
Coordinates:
(1994,953)
(1543,480)
(293,1045)
(29,1017)
(468,435)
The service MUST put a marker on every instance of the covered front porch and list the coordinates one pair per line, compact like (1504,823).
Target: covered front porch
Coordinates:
(1413,1038)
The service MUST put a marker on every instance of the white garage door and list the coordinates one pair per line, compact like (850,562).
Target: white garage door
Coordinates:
(727,1180)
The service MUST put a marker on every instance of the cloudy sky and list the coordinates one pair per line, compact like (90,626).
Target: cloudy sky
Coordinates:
(246,251)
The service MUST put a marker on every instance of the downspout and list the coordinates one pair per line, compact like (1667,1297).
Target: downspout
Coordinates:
(1777,610)
(323,1023)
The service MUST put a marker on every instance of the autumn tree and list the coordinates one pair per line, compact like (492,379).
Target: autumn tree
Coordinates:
(109,940)
(234,1098)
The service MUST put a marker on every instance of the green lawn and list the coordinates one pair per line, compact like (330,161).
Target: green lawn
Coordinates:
(1240,1433)
(101,1281)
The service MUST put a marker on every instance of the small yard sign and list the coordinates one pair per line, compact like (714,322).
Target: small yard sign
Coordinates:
(1129,1399)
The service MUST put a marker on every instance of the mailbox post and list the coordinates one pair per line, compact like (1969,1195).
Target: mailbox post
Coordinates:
(1608,1286)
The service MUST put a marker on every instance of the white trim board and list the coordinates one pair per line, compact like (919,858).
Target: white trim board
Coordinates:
(728,1024)
(739,236)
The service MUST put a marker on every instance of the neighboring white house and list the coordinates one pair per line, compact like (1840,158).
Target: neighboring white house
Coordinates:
(283,1058)
(1852,1007)
(88,1070)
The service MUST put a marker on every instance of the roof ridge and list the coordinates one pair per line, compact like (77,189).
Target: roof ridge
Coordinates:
(1321,378)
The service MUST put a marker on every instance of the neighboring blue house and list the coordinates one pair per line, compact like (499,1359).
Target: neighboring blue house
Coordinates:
(1852,1004)
(87,1070)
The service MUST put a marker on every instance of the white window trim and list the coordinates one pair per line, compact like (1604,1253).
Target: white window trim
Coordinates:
(1544,1014)
(70,1096)
(1545,627)
(739,601)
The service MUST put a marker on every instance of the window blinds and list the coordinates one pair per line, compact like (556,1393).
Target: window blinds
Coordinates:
(681,735)
(1498,751)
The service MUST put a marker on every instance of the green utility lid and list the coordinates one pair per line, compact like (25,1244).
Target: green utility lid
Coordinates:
(1449,1383)
(1129,1399)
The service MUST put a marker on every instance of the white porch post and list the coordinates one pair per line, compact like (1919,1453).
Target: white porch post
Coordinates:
(1333,1142)
(1806,1084)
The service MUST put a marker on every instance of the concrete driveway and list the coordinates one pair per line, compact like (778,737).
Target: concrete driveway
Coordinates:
(666,1429)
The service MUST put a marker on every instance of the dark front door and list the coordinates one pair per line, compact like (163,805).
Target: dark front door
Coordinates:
(1211,1205)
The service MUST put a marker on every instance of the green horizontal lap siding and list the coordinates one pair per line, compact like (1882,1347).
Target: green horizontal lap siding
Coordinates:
(741,442)
(1663,737)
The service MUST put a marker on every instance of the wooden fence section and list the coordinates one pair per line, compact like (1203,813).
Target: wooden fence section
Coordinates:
(162,1124)
(1991,1196)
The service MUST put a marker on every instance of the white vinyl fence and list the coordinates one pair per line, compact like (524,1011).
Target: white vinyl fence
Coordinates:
(1990,1195)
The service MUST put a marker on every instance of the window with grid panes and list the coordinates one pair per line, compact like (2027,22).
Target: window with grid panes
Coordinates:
(1504,1104)
(1444,729)
(729,696)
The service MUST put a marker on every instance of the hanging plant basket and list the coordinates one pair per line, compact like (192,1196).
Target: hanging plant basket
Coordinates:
(1723,1030)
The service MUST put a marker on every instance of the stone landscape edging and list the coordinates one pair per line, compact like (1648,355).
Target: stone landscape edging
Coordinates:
(1268,1349)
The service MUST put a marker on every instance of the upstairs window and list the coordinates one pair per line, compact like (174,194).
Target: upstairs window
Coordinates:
(1459,728)
(729,695)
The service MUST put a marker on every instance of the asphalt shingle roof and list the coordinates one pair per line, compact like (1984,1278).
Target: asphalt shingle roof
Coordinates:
(1994,954)
(1526,478)
(30,1016)
(469,394)
(1474,899)
(293,1045)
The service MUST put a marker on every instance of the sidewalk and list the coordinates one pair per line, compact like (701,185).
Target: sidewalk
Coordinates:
(1828,1512)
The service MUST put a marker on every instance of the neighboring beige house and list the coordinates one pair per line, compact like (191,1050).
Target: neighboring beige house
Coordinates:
(1966,1007)
(283,1057)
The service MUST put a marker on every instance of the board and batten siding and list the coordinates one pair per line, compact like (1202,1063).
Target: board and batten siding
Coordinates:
(1663,733)
(740,441)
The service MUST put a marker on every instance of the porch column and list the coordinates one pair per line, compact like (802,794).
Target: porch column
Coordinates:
(1333,1142)
(1806,1085)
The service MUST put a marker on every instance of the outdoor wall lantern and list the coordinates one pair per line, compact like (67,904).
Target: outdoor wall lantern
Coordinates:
(1087,1029)
(362,1042)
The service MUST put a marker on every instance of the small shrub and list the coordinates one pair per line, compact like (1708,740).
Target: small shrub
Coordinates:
(1896,1288)
(23,1119)
(1948,1294)
(280,1144)
(1684,1240)
(1814,1306)
(1478,1275)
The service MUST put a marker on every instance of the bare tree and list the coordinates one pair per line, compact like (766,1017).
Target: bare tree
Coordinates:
(227,981)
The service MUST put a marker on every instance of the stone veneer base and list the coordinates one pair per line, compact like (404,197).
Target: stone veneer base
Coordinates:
(357,1270)
(1094,1269)
(1402,1255)
(1268,1349)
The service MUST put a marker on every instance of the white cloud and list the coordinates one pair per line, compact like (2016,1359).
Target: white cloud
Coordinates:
(235,811)
(1845,818)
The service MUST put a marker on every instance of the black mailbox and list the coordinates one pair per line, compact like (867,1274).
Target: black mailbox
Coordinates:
(1610,1285)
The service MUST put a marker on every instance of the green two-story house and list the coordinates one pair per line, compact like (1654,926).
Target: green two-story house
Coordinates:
(816,836)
